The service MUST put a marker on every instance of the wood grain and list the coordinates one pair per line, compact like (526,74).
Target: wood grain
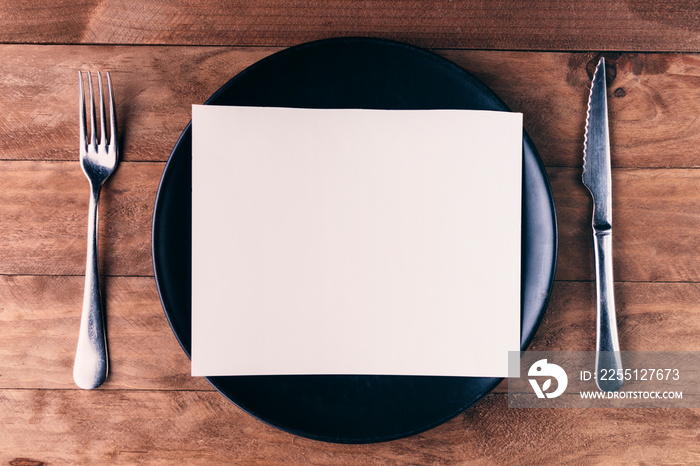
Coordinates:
(40,315)
(154,88)
(45,208)
(656,215)
(39,321)
(656,225)
(654,98)
(651,317)
(151,411)
(672,25)
(134,427)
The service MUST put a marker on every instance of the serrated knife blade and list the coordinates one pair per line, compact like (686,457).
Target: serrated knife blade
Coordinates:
(597,178)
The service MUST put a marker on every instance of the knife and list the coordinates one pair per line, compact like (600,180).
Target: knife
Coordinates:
(597,178)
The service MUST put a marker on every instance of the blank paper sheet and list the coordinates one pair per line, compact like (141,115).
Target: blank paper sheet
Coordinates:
(355,241)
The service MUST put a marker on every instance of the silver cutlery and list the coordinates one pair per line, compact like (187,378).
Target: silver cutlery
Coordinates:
(98,161)
(597,178)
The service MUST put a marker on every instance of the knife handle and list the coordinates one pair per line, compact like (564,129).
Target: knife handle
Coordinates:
(608,365)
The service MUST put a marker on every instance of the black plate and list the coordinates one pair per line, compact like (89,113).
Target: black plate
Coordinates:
(351,73)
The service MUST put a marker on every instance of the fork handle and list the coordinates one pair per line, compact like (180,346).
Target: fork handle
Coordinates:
(91,364)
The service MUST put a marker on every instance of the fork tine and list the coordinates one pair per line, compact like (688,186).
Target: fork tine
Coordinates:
(103,131)
(93,117)
(112,113)
(81,102)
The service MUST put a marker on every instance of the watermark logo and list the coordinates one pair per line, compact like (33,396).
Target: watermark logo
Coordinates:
(567,379)
(542,368)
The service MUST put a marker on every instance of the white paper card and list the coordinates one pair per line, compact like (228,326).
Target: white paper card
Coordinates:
(355,241)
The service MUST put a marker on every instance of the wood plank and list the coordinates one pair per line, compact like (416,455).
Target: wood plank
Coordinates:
(39,324)
(44,204)
(643,25)
(134,427)
(656,225)
(40,315)
(654,98)
(653,103)
(651,317)
(154,88)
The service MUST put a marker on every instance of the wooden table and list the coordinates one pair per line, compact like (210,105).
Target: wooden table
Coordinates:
(537,56)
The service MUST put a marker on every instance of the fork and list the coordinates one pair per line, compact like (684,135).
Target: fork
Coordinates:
(98,161)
